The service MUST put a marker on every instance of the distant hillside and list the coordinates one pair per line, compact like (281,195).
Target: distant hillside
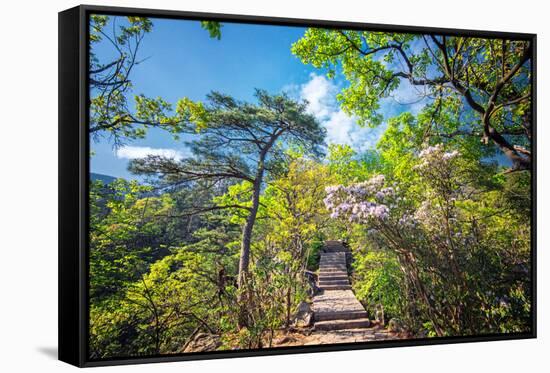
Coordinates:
(105,178)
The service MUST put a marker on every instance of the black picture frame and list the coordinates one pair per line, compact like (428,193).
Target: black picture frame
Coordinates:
(74,177)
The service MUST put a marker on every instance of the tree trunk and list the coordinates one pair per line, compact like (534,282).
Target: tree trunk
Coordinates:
(244,259)
(519,161)
(288,306)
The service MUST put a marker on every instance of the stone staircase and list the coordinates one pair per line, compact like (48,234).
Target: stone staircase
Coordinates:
(333,271)
(336,307)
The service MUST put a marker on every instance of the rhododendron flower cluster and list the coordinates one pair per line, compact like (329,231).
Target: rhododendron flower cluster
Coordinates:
(435,156)
(372,200)
(408,220)
(361,201)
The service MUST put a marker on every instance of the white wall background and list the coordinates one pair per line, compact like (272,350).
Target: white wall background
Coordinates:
(28,184)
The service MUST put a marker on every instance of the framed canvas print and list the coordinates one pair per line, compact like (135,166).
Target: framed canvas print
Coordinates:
(234,186)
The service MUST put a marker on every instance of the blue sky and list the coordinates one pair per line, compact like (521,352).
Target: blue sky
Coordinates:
(183,61)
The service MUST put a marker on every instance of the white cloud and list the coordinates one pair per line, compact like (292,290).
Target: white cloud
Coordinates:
(339,126)
(320,93)
(343,129)
(133,152)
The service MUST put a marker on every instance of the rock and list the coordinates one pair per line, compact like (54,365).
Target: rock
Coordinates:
(312,282)
(203,342)
(285,339)
(303,316)
(303,307)
(395,326)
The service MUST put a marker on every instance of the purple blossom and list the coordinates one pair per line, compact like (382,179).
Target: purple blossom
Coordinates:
(360,202)
(435,157)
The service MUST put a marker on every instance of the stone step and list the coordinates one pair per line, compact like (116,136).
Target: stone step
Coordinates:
(338,247)
(342,324)
(336,276)
(335,246)
(332,270)
(334,282)
(336,307)
(336,287)
(330,281)
(327,280)
(340,315)
(333,276)
(324,284)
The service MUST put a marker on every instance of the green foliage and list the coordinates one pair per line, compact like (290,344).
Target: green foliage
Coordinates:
(110,80)
(189,288)
(369,78)
(213,28)
(378,280)
(344,164)
(459,246)
(126,234)
(111,111)
(314,254)
(472,88)
(447,252)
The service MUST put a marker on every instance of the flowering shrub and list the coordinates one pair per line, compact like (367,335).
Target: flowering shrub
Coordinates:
(442,238)
(371,201)
(360,202)
(434,156)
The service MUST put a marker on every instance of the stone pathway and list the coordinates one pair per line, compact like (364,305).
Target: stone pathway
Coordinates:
(336,307)
(374,333)
(338,316)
